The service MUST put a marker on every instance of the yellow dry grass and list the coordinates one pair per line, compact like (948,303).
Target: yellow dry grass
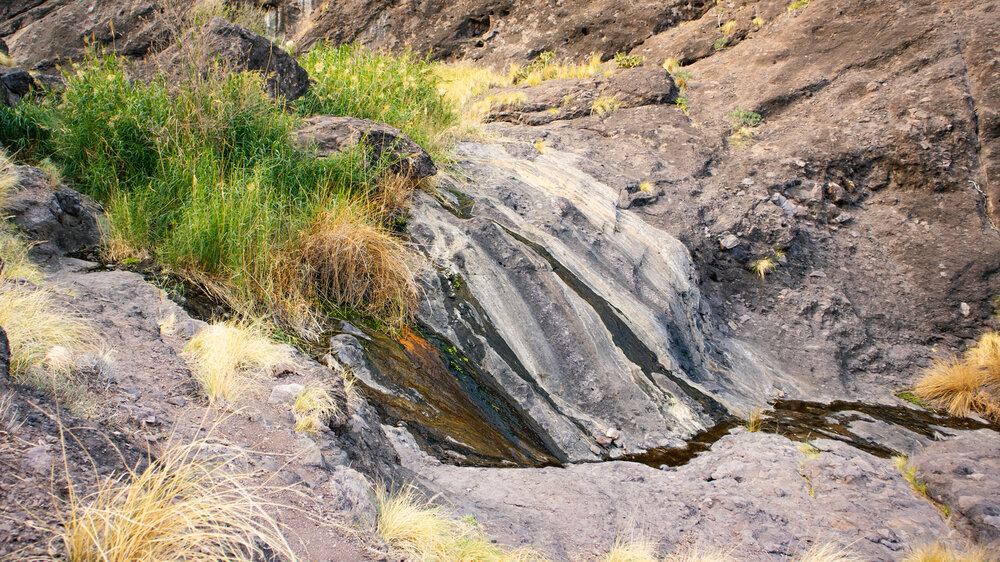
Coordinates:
(939,552)
(185,505)
(419,530)
(636,548)
(36,324)
(696,554)
(763,267)
(753,421)
(354,263)
(7,60)
(827,552)
(605,105)
(313,408)
(229,356)
(909,473)
(954,385)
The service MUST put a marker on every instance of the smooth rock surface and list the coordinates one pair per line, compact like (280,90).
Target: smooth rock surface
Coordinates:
(757,496)
(964,474)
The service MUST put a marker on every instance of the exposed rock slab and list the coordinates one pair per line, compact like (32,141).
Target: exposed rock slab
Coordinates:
(754,495)
(586,315)
(963,474)
(61,220)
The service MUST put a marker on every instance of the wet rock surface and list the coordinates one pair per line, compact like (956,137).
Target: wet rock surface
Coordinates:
(963,475)
(755,495)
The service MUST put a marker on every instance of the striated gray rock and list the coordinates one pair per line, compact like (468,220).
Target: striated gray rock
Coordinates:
(62,221)
(584,314)
(756,496)
(330,134)
(964,474)
(352,495)
(237,49)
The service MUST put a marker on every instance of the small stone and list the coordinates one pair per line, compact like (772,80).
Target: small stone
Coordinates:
(308,452)
(613,433)
(965,309)
(285,393)
(282,370)
(747,182)
(843,218)
(595,449)
(38,459)
(817,273)
(729,241)
(177,401)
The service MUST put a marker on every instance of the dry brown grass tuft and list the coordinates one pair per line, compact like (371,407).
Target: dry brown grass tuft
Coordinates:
(827,552)
(636,548)
(229,356)
(419,530)
(313,408)
(954,385)
(184,506)
(354,263)
(939,552)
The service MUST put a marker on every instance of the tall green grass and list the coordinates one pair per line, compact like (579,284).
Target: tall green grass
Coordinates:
(204,177)
(398,89)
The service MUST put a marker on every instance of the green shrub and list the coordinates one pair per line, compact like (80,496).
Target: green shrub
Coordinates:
(401,90)
(205,176)
(625,60)
(744,118)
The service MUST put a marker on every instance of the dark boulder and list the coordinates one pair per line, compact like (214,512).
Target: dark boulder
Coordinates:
(43,34)
(61,220)
(15,83)
(4,357)
(3,47)
(237,49)
(329,134)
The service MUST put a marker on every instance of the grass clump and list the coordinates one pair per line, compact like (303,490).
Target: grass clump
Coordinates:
(631,549)
(205,178)
(228,356)
(909,473)
(605,105)
(939,552)
(744,123)
(313,408)
(763,266)
(827,552)
(350,261)
(399,89)
(7,60)
(962,385)
(182,506)
(414,527)
(753,422)
(625,60)
(545,67)
(797,4)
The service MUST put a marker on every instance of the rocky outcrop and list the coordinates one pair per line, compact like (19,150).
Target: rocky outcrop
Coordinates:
(15,83)
(42,34)
(962,474)
(574,98)
(59,219)
(237,49)
(497,32)
(384,145)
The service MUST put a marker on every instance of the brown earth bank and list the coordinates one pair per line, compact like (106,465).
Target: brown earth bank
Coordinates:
(594,267)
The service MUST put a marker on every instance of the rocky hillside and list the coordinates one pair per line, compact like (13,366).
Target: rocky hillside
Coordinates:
(674,299)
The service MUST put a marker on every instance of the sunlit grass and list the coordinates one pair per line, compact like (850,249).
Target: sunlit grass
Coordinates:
(229,357)
(313,408)
(185,505)
(940,552)
(419,530)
